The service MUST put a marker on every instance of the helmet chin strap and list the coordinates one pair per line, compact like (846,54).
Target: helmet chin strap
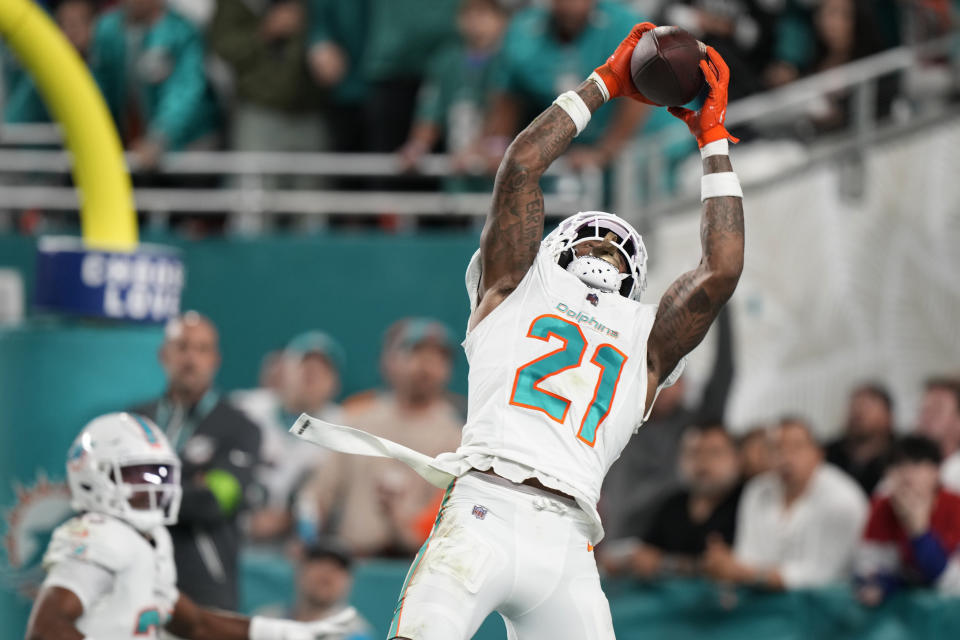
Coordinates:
(599,273)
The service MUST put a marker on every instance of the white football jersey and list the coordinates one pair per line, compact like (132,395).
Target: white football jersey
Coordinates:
(558,380)
(144,589)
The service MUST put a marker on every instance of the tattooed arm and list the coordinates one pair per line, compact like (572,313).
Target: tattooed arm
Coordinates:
(511,236)
(690,305)
(512,233)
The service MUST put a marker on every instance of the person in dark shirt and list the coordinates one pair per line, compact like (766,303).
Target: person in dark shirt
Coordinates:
(868,437)
(646,472)
(704,509)
(219,450)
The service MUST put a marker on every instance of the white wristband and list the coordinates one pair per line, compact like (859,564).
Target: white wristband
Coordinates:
(268,628)
(601,84)
(718,185)
(576,108)
(715,148)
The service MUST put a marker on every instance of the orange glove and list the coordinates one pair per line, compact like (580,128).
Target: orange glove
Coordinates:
(615,72)
(707,124)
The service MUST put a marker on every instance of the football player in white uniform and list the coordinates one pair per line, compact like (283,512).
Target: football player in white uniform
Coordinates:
(565,363)
(110,569)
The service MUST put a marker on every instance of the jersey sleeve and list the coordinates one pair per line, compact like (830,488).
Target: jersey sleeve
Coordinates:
(546,273)
(85,580)
(543,271)
(94,539)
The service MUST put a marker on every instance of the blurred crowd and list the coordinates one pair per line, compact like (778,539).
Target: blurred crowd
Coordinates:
(772,508)
(249,484)
(414,76)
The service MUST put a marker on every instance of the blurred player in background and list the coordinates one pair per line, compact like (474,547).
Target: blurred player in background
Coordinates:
(565,364)
(111,573)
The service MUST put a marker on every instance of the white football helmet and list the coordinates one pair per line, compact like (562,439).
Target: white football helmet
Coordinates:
(122,465)
(593,271)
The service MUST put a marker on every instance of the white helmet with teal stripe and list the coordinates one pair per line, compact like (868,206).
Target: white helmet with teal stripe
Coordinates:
(121,465)
(593,271)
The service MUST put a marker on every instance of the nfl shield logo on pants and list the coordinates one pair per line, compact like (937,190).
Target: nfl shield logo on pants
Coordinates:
(479,512)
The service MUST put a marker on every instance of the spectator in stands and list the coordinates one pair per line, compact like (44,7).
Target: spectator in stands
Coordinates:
(796,48)
(913,534)
(798,525)
(546,51)
(845,31)
(403,37)
(706,506)
(199,12)
(928,19)
(862,450)
(275,106)
(323,586)
(939,420)
(219,449)
(270,376)
(149,63)
(22,102)
(453,98)
(841,31)
(311,379)
(377,505)
(269,383)
(754,449)
(646,471)
(337,40)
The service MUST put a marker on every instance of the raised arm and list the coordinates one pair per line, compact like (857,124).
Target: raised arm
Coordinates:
(192,622)
(691,303)
(511,236)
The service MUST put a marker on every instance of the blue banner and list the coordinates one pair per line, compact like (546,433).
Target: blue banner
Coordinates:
(141,286)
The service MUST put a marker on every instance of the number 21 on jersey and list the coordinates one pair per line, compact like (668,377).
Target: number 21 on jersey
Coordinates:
(527,392)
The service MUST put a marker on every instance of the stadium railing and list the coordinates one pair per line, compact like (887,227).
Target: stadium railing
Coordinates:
(927,76)
(636,184)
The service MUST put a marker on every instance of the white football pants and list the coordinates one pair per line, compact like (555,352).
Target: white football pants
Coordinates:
(513,549)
